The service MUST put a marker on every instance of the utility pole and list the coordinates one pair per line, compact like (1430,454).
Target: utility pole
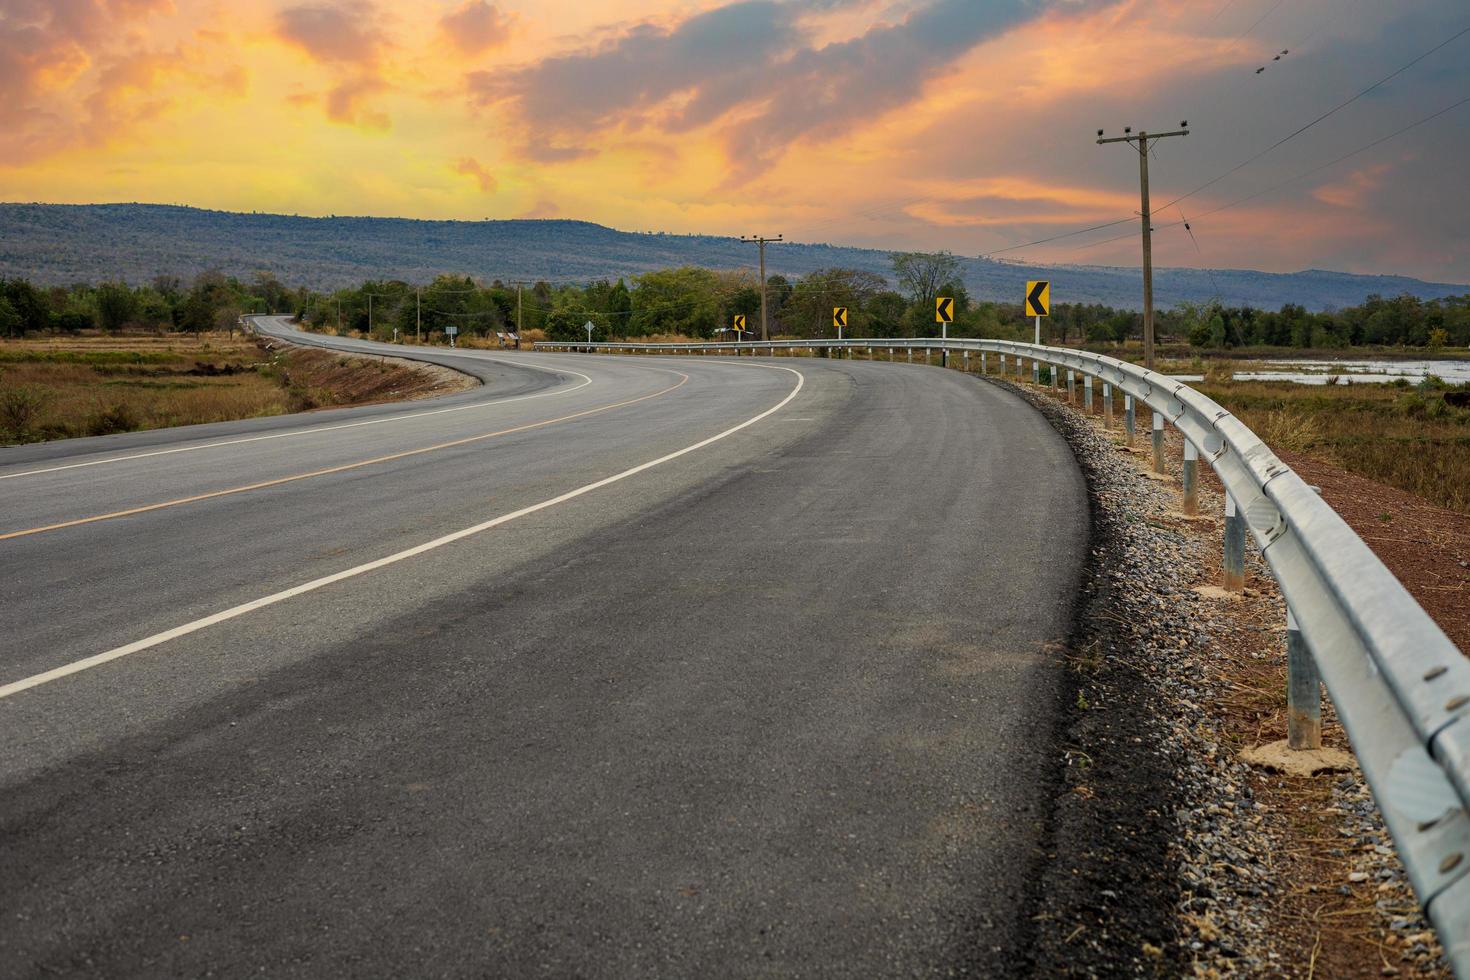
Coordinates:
(762,242)
(518,316)
(1142,140)
(370,314)
(418,315)
(338,301)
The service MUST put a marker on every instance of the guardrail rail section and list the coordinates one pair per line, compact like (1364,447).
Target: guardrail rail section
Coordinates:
(1401,688)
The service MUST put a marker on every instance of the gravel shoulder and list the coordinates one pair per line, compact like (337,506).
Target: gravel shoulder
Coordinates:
(1170,855)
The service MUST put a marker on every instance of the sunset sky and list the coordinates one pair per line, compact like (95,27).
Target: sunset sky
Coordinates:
(959,124)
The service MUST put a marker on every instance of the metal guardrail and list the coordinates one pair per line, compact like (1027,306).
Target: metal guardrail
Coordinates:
(1401,688)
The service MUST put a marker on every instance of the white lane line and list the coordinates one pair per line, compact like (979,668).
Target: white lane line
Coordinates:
(98,659)
(305,432)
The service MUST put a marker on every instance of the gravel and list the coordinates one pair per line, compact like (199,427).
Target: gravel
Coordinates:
(1153,775)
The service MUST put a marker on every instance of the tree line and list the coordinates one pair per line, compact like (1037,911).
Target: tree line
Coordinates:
(699,302)
(211,301)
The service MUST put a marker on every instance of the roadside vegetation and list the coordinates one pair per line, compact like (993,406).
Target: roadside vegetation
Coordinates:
(94,384)
(1415,437)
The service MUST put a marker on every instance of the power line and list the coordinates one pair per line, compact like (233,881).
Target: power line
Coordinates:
(1237,168)
(1290,180)
(1211,272)
(1258,21)
(1330,112)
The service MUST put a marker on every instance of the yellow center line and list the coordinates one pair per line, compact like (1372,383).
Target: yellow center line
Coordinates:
(684,378)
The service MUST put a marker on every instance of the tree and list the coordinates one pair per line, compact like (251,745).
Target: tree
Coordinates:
(210,292)
(116,305)
(28,303)
(683,301)
(569,323)
(10,322)
(921,274)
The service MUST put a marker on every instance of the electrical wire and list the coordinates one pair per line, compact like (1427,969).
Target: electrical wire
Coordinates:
(1330,112)
(1290,180)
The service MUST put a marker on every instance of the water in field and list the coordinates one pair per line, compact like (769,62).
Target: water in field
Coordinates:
(1310,372)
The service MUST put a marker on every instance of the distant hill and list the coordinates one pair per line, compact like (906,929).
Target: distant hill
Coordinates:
(60,244)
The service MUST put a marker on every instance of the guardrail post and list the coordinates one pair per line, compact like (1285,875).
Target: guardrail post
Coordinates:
(1071,387)
(1052,369)
(1191,479)
(1130,418)
(911,355)
(1159,444)
(1303,692)
(1234,559)
(1107,406)
(965,360)
(983,368)
(1002,365)
(1087,393)
(1035,371)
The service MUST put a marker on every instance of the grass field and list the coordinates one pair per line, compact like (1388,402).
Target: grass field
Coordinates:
(87,385)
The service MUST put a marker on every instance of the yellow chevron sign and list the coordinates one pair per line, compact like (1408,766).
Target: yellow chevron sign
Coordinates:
(1038,298)
(944,309)
(740,322)
(839,316)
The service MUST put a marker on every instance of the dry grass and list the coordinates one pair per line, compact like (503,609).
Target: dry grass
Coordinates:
(1403,437)
(56,388)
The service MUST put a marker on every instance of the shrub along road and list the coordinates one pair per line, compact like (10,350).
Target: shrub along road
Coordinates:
(740,668)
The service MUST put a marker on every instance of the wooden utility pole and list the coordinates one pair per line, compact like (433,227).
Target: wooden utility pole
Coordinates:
(418,316)
(762,242)
(1142,140)
(518,316)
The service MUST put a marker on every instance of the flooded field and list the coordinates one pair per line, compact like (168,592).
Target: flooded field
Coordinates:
(1322,372)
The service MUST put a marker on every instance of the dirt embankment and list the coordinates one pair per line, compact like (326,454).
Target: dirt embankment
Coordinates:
(98,384)
(316,378)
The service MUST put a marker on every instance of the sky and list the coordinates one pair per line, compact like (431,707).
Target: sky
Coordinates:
(967,125)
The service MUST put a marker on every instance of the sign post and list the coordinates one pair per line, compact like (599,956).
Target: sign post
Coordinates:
(944,316)
(588,327)
(1038,302)
(452,331)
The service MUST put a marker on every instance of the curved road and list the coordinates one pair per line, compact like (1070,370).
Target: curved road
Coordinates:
(611,666)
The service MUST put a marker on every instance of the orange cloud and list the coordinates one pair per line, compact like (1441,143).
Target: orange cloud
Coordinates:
(345,36)
(1353,190)
(346,103)
(476,26)
(470,167)
(342,32)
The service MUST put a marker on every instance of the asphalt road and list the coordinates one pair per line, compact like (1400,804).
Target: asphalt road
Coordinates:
(609,667)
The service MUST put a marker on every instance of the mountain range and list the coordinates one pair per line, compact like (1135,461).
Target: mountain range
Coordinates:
(58,244)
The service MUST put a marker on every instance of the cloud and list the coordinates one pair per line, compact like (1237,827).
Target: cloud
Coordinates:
(77,71)
(343,32)
(345,36)
(1355,189)
(346,103)
(470,167)
(751,66)
(544,208)
(476,26)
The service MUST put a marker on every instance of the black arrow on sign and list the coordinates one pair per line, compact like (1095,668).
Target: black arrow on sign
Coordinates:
(945,305)
(1033,298)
